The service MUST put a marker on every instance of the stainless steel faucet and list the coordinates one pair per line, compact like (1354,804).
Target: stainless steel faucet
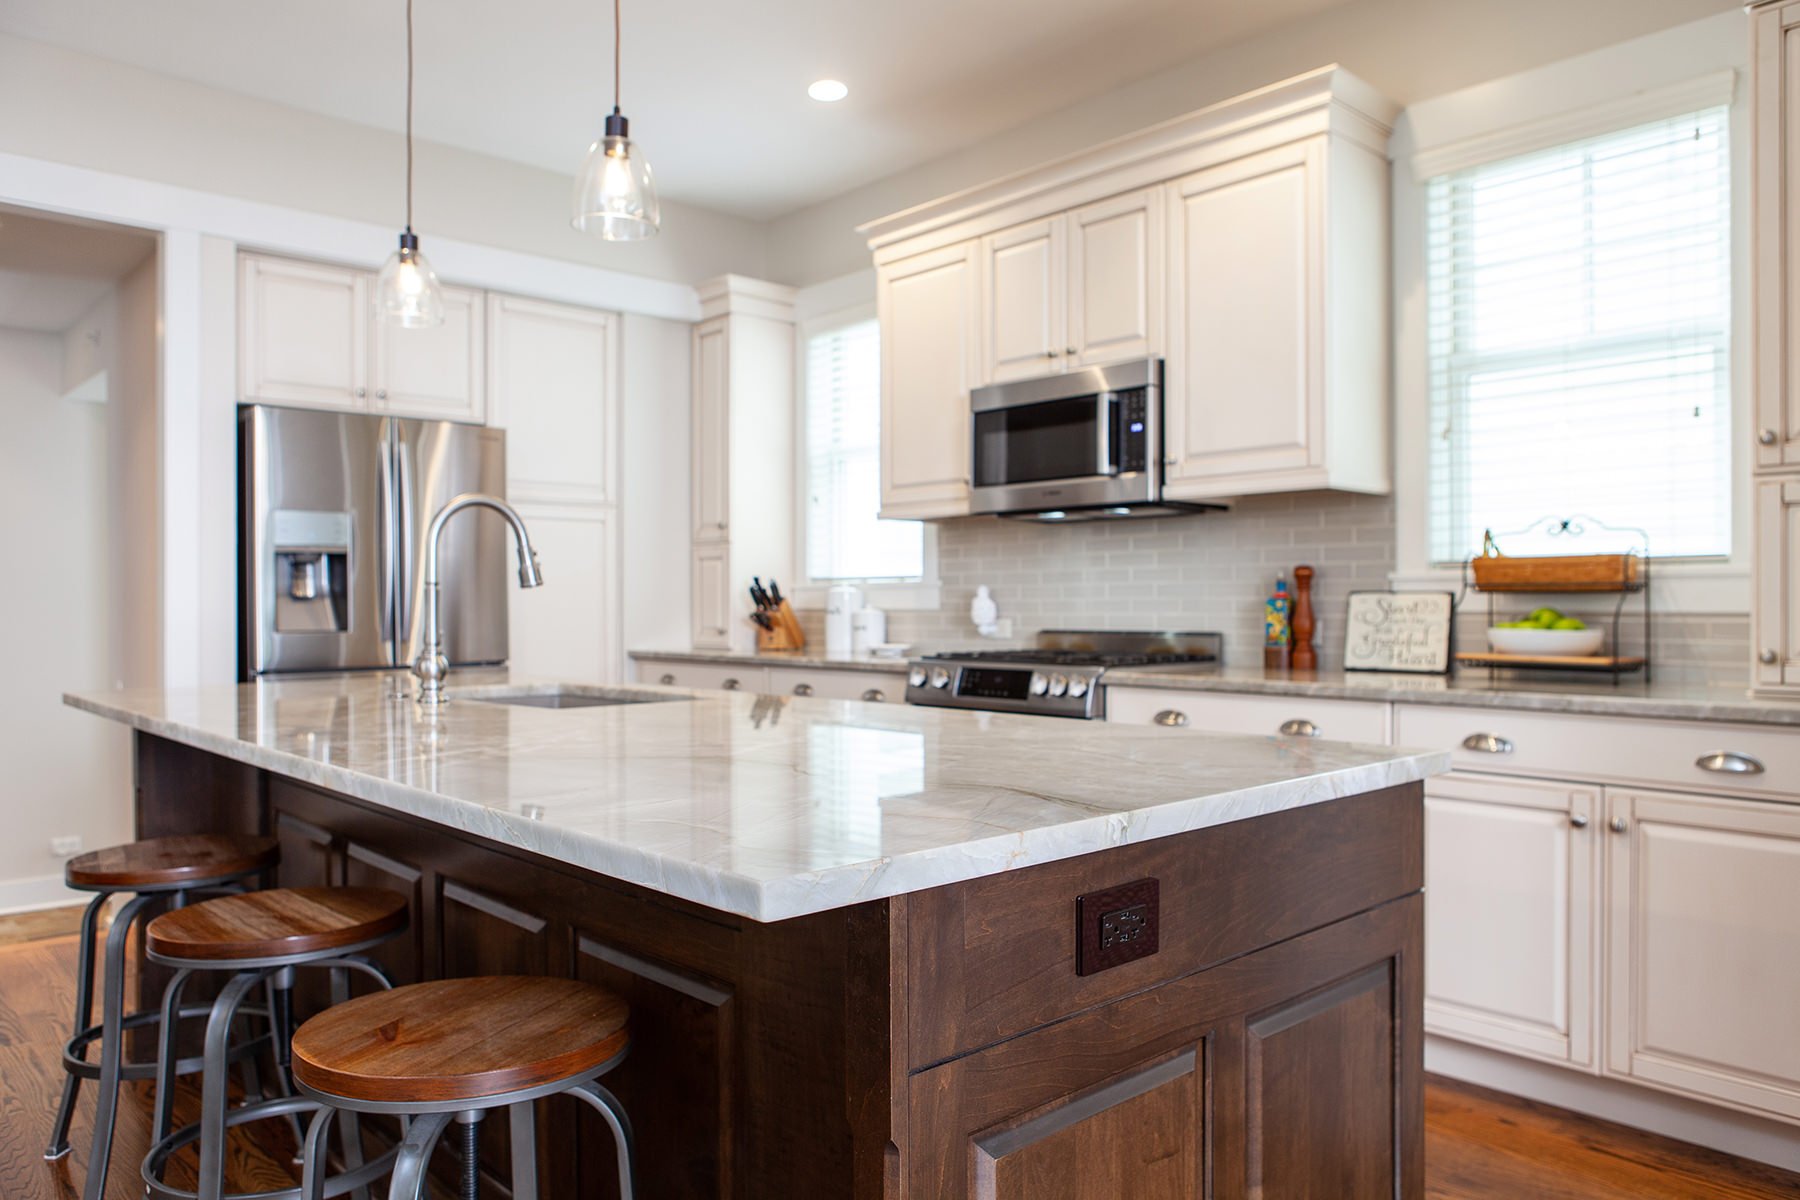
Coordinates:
(431,667)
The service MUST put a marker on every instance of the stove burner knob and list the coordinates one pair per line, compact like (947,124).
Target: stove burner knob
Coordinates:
(915,677)
(1039,685)
(1078,686)
(1059,684)
(940,677)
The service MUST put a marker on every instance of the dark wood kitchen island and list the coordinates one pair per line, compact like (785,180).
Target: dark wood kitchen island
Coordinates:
(875,951)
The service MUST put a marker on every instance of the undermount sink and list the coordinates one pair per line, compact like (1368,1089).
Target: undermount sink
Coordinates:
(564,698)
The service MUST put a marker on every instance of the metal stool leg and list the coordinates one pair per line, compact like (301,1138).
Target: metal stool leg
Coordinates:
(613,1113)
(84,1015)
(167,1055)
(524,1150)
(112,1037)
(408,1182)
(212,1083)
(312,1155)
(349,1125)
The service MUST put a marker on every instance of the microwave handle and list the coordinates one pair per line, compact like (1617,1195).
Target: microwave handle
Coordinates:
(1106,431)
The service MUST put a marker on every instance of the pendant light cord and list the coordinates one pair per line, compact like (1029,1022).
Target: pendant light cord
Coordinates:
(616,36)
(409,108)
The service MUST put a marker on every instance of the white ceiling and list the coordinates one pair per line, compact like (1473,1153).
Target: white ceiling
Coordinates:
(52,271)
(716,89)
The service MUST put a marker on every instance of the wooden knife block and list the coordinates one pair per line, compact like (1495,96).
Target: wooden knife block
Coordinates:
(787,634)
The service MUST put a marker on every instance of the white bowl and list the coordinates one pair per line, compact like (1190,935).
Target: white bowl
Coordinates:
(1573,643)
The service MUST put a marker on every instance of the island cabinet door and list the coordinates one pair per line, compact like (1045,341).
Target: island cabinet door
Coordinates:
(1294,1072)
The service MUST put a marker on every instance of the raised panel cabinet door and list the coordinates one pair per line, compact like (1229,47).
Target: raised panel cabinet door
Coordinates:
(928,330)
(712,436)
(1116,280)
(712,597)
(569,631)
(439,372)
(302,330)
(1775,650)
(1022,301)
(1243,400)
(552,385)
(1703,949)
(1775,159)
(1510,915)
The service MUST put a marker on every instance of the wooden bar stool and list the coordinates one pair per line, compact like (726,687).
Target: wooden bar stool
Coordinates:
(453,1049)
(260,937)
(157,872)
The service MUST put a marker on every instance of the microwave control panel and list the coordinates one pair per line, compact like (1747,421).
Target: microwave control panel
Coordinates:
(1134,430)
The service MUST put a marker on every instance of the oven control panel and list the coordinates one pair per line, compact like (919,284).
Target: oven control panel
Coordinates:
(1048,691)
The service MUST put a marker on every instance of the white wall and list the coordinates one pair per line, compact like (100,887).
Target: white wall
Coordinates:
(66,773)
(1409,49)
(92,112)
(655,511)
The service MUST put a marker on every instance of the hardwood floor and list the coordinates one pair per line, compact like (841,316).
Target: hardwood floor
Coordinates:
(1479,1145)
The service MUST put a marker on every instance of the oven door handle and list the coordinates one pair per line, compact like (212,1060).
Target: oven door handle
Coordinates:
(1106,426)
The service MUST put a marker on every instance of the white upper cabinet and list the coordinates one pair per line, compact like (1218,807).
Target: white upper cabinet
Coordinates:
(927,310)
(712,435)
(436,372)
(308,335)
(552,375)
(1776,231)
(302,333)
(1246,244)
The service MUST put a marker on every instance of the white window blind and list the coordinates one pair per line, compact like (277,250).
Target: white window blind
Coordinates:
(845,539)
(1579,314)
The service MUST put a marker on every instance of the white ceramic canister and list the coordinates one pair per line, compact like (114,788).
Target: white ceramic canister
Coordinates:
(868,629)
(842,601)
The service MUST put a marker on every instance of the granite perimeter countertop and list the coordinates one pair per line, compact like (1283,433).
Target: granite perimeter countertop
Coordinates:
(781,658)
(764,806)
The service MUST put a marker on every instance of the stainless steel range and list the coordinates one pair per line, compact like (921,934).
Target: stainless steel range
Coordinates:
(1062,676)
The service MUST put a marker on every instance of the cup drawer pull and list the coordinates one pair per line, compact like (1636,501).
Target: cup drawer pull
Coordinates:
(1169,716)
(1729,762)
(875,696)
(1487,743)
(1298,727)
(731,685)
(803,689)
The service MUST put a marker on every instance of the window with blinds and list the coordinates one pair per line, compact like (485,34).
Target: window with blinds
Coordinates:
(1579,322)
(845,538)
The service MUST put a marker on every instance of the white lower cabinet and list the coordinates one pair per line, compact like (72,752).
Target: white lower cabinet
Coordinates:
(1511,886)
(1218,712)
(876,687)
(729,677)
(1703,935)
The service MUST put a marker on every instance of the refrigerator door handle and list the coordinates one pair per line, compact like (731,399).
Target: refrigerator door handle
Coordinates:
(404,529)
(386,525)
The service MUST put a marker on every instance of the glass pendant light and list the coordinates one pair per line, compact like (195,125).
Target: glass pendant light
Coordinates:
(615,196)
(407,291)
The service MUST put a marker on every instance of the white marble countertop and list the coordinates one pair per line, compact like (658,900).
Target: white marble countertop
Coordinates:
(781,658)
(1472,689)
(768,807)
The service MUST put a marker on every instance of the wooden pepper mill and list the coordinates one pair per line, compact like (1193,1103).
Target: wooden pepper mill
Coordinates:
(1304,657)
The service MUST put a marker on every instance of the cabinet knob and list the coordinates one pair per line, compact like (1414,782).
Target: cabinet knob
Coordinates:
(1767,437)
(1070,351)
(361,392)
(1298,727)
(731,685)
(1487,743)
(803,689)
(1729,762)
(667,680)
(875,696)
(1578,820)
(1617,824)
(1050,354)
(381,393)
(1170,717)
(1767,658)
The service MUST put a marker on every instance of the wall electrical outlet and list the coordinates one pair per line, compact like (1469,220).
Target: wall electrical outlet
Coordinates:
(67,846)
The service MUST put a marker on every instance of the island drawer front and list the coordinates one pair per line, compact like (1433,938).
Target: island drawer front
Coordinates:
(1695,755)
(1223,712)
(994,957)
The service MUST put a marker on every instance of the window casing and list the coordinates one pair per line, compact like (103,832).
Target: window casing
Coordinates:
(1579,338)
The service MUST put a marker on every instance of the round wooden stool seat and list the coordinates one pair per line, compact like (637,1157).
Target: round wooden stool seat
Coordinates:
(276,923)
(460,1039)
(171,861)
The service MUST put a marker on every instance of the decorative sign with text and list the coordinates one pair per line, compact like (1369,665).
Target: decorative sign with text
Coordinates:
(1399,631)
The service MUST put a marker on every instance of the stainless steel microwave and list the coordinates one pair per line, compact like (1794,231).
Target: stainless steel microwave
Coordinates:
(1081,445)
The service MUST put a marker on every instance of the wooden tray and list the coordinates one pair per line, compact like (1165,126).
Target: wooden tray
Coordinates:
(1559,662)
(1558,573)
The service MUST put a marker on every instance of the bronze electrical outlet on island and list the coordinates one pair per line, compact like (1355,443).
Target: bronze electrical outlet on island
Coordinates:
(1116,926)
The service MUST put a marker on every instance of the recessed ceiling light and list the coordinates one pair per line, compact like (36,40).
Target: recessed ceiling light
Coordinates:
(827,90)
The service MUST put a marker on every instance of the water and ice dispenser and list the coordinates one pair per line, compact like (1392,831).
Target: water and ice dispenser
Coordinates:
(312,571)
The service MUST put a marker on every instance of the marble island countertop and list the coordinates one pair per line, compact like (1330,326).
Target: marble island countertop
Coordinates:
(767,807)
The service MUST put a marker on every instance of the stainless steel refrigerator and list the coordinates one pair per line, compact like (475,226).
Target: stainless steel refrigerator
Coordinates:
(332,514)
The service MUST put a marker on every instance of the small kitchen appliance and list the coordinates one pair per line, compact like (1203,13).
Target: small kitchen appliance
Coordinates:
(1063,675)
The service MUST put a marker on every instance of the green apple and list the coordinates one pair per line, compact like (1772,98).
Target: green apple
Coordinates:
(1570,623)
(1544,618)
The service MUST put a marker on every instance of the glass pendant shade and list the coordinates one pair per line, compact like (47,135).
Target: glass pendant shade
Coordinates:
(615,195)
(407,291)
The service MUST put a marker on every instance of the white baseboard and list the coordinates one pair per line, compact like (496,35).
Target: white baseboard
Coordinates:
(42,891)
(1616,1100)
